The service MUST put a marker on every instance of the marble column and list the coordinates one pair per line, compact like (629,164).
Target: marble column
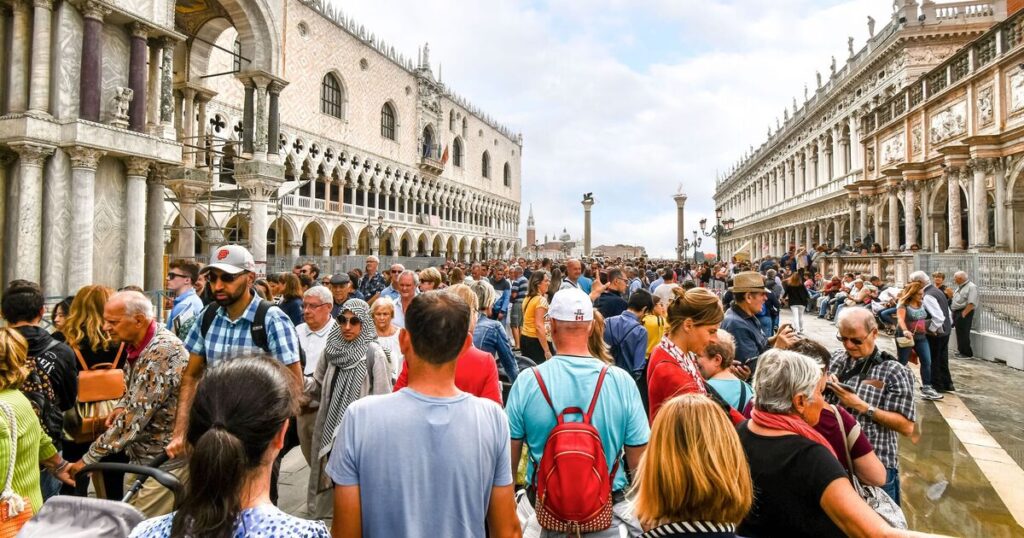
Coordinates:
(84,162)
(7,249)
(294,249)
(910,212)
(953,193)
(166,86)
(823,232)
(809,232)
(856,149)
(680,200)
(134,253)
(153,89)
(188,126)
(28,234)
(853,220)
(1002,226)
(155,208)
(863,223)
(137,79)
(56,223)
(274,122)
(260,127)
(979,205)
(202,153)
(89,83)
(247,116)
(813,179)
(325,250)
(894,218)
(588,204)
(39,85)
(21,51)
(259,194)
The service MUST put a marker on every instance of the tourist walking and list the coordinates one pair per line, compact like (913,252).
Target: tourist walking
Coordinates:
(940,328)
(796,298)
(181,278)
(626,336)
(912,319)
(383,313)
(534,340)
(314,334)
(965,303)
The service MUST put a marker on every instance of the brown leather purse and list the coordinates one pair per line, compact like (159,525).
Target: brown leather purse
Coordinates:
(99,389)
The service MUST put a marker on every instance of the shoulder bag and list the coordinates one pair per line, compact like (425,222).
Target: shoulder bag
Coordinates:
(99,389)
(877,499)
(15,509)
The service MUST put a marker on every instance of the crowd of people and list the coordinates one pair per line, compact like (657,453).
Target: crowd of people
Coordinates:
(500,398)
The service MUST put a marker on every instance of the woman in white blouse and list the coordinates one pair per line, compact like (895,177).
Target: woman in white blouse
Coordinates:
(387,334)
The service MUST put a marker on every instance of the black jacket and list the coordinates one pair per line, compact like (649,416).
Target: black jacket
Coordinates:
(610,303)
(58,363)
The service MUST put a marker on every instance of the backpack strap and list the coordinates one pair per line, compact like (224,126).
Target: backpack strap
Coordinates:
(209,312)
(543,389)
(117,358)
(81,361)
(259,326)
(597,392)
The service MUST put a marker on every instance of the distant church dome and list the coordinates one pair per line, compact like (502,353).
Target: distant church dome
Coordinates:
(565,238)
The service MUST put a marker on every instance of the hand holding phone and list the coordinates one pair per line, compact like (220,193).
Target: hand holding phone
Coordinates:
(844,386)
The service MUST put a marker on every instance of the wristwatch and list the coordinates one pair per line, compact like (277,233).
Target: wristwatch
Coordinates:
(870,413)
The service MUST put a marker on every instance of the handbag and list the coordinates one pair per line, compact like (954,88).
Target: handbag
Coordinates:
(874,496)
(15,509)
(99,389)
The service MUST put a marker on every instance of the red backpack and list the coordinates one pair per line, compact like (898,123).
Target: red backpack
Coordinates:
(573,485)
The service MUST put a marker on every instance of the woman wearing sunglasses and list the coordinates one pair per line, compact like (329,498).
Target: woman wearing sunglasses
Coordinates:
(353,366)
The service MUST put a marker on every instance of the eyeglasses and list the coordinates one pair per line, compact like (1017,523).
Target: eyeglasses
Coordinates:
(854,341)
(393,271)
(343,321)
(307,306)
(226,278)
(172,276)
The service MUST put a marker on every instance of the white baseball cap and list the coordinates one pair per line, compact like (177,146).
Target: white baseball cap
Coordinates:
(571,304)
(232,259)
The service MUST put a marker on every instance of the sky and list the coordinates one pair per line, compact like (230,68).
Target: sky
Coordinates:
(628,99)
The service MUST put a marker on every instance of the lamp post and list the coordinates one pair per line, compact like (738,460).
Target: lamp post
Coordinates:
(377,232)
(687,244)
(721,227)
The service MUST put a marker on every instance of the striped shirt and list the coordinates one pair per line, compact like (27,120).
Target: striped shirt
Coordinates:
(230,339)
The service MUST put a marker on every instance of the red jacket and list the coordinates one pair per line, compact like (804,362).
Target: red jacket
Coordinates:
(475,373)
(666,378)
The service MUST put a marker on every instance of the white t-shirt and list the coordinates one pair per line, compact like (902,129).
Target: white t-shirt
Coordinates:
(664,292)
(313,343)
(393,352)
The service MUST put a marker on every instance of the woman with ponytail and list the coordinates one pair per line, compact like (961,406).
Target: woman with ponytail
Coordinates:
(236,429)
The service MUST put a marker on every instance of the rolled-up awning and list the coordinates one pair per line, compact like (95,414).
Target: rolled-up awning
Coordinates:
(743,253)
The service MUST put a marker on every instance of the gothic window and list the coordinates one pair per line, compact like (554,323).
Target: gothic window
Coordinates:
(451,120)
(508,175)
(485,165)
(465,127)
(457,152)
(236,58)
(331,96)
(387,121)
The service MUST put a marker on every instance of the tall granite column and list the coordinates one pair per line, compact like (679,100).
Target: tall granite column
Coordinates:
(953,193)
(39,85)
(588,203)
(166,87)
(84,162)
(155,208)
(1002,226)
(89,88)
(894,218)
(979,205)
(274,123)
(153,88)
(260,126)
(680,200)
(134,253)
(28,234)
(21,51)
(137,79)
(910,212)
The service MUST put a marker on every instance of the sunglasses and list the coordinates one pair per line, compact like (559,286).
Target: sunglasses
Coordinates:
(854,341)
(226,278)
(343,321)
(172,276)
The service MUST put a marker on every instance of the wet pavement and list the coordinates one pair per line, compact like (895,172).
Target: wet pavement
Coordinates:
(948,486)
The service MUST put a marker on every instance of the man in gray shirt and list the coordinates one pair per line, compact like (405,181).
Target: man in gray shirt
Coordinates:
(965,302)
(428,460)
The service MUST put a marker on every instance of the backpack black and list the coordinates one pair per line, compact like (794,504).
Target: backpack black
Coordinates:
(258,330)
(38,389)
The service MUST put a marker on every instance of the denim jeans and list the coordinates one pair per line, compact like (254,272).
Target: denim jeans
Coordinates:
(766,325)
(892,484)
(886,315)
(823,307)
(924,356)
(48,484)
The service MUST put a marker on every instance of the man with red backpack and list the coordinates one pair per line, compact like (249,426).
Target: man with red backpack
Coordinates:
(578,416)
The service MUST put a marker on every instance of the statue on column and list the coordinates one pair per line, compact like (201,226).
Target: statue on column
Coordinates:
(122,100)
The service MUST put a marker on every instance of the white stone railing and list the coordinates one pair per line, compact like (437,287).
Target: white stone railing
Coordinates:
(815,195)
(968,9)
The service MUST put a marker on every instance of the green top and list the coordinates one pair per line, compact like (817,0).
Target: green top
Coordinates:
(33,447)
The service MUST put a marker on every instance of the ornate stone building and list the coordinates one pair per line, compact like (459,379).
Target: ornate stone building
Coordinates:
(917,139)
(136,129)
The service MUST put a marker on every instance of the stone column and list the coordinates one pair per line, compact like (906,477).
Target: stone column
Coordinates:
(823,232)
(1002,227)
(134,254)
(84,162)
(274,122)
(325,250)
(852,203)
(588,203)
(680,200)
(166,87)
(855,151)
(979,205)
(863,228)
(137,78)
(202,153)
(21,50)
(247,116)
(894,217)
(809,233)
(294,249)
(188,126)
(28,235)
(260,127)
(910,211)
(953,193)
(89,87)
(153,90)
(39,87)
(154,249)
(815,163)
(259,193)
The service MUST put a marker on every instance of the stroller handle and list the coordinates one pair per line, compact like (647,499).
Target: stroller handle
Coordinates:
(150,470)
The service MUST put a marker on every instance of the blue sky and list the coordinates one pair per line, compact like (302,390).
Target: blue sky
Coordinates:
(627,99)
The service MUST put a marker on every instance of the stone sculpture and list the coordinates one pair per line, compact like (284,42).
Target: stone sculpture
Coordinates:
(122,99)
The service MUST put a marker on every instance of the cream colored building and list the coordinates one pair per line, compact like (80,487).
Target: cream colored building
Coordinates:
(135,129)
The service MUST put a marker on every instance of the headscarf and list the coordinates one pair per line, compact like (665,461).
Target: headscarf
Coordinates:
(350,360)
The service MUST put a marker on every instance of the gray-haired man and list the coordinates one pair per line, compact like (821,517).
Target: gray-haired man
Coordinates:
(965,302)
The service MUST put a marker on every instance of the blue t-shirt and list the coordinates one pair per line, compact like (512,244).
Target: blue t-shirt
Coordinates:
(186,306)
(618,417)
(425,466)
(734,391)
(258,521)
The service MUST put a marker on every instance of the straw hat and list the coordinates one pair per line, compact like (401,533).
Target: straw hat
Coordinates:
(748,281)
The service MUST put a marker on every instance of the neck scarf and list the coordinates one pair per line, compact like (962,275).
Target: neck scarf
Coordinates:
(686,361)
(790,423)
(349,359)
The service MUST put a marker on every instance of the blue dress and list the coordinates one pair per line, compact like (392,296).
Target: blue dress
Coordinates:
(256,522)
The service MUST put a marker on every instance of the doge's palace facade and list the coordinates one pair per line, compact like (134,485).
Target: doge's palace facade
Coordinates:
(928,98)
(136,129)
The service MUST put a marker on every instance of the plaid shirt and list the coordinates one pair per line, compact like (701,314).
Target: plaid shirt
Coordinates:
(372,285)
(229,339)
(896,395)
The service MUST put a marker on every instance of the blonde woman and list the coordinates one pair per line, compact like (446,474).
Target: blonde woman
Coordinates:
(430,279)
(383,313)
(693,474)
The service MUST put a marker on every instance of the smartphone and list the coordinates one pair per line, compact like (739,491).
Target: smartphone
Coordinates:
(844,386)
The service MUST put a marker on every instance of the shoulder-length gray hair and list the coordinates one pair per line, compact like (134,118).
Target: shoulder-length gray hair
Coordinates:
(780,376)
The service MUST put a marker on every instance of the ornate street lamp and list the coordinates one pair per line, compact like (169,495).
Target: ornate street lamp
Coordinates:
(687,245)
(721,227)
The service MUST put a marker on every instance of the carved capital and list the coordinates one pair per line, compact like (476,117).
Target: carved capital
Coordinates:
(136,166)
(295,244)
(33,154)
(45,4)
(139,29)
(85,158)
(983,164)
(864,199)
(261,191)
(91,9)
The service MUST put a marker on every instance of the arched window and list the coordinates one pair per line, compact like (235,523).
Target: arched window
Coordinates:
(331,97)
(428,144)
(457,152)
(387,121)
(451,120)
(508,175)
(485,165)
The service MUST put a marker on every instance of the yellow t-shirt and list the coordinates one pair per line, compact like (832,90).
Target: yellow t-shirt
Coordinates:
(530,306)
(656,327)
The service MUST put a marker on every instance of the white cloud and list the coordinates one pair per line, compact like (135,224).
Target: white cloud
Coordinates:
(627,99)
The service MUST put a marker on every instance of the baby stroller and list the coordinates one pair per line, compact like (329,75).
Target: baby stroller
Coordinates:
(85,517)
